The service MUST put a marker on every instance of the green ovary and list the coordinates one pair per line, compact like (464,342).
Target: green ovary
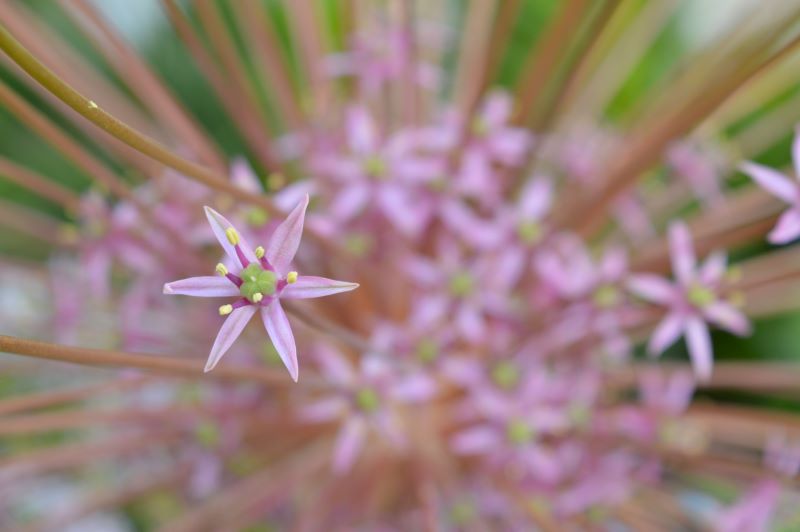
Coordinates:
(257,280)
(367,400)
(462,284)
(700,296)
(606,296)
(505,375)
(519,432)
(529,232)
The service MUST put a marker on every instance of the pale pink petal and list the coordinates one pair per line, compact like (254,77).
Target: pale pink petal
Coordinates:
(210,286)
(713,268)
(665,334)
(414,388)
(231,329)
(652,288)
(362,133)
(334,366)
(727,317)
(280,332)
(307,287)
(476,440)
(219,224)
(244,177)
(681,252)
(350,201)
(772,181)
(349,443)
(614,264)
(787,228)
(699,341)
(509,145)
(286,238)
(536,198)
(496,109)
(323,410)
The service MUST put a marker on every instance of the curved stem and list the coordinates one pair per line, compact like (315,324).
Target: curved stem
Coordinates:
(159,364)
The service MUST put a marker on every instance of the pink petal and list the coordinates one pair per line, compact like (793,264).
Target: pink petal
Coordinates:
(536,198)
(323,410)
(414,388)
(496,109)
(713,268)
(362,133)
(280,332)
(652,288)
(727,317)
(350,201)
(286,238)
(787,228)
(476,440)
(244,177)
(614,264)
(349,443)
(772,181)
(210,286)
(308,286)
(665,334)
(231,329)
(334,366)
(219,224)
(681,252)
(699,342)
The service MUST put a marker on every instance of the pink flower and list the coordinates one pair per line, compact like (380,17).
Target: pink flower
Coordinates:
(784,188)
(753,512)
(692,300)
(260,278)
(364,399)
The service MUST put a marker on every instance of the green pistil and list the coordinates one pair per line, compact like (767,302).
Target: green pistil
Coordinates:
(257,217)
(257,280)
(427,350)
(438,185)
(207,434)
(462,513)
(358,244)
(505,375)
(606,296)
(461,284)
(519,432)
(375,167)
(700,296)
(529,232)
(367,400)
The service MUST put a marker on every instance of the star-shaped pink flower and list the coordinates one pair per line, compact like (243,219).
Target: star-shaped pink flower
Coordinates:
(260,278)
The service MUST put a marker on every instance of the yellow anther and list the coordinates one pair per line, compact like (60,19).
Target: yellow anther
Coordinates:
(233,236)
(221,269)
(257,297)
(259,251)
(291,277)
(224,310)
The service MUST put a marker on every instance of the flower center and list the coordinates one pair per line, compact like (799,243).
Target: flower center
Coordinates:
(461,284)
(374,167)
(606,296)
(700,296)
(505,375)
(463,513)
(427,350)
(519,432)
(367,400)
(257,217)
(529,232)
(257,280)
